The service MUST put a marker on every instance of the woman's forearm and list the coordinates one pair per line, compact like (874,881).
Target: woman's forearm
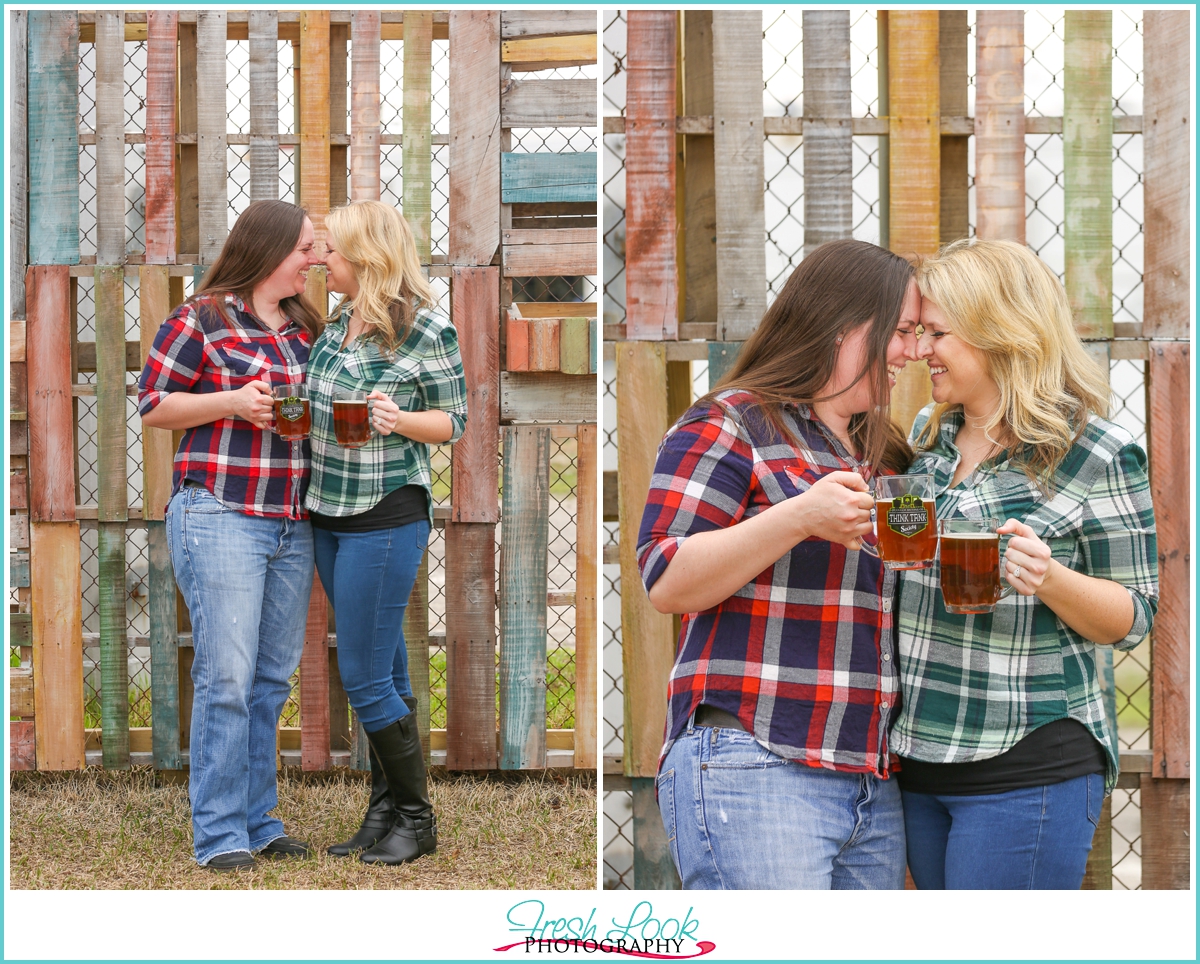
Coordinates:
(1098,609)
(432,426)
(182,410)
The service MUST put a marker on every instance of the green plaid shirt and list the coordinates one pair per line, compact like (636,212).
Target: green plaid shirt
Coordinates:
(425,373)
(975,685)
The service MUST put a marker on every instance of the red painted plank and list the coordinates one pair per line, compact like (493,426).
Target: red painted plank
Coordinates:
(651,273)
(51,421)
(516,347)
(1170,432)
(475,480)
(543,345)
(21,755)
(470,646)
(161,62)
(314,683)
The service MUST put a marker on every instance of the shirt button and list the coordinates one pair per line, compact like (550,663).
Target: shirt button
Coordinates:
(883,705)
(887,657)
(887,605)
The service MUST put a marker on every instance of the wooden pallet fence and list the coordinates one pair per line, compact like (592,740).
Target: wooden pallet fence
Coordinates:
(548,216)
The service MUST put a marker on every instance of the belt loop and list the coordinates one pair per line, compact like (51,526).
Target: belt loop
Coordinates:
(691,723)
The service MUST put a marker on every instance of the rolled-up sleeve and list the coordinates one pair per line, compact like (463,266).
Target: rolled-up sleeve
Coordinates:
(1118,540)
(443,385)
(702,481)
(175,361)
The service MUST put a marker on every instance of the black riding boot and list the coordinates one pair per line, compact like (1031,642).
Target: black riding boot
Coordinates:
(378,820)
(414,831)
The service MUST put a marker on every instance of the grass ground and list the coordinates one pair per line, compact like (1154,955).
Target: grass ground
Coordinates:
(113,830)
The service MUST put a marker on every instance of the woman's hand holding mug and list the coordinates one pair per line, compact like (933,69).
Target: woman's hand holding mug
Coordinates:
(837,507)
(385,413)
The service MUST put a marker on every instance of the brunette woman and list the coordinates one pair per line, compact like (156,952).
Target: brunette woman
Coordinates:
(371,506)
(1006,751)
(775,772)
(240,542)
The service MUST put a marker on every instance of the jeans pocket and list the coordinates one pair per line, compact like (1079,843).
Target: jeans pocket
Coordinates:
(422,535)
(738,750)
(1095,797)
(665,784)
(202,502)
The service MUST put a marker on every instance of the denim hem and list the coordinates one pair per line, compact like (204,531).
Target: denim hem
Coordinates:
(238,850)
(262,847)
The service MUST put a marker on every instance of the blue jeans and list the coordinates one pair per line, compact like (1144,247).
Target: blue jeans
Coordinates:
(368,577)
(246,581)
(738,817)
(1037,838)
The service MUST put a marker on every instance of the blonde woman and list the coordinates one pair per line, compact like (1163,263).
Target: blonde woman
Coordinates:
(371,506)
(1005,751)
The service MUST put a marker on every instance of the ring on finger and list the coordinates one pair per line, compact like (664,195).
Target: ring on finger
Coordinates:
(1017,573)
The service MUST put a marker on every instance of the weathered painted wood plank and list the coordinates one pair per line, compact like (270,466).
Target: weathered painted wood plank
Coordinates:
(545,53)
(541,260)
(556,309)
(548,178)
(211,121)
(154,297)
(475,308)
(470,643)
(649,648)
(700,212)
(651,271)
(474,136)
(721,356)
(51,421)
(1000,125)
(18,389)
(1170,432)
(339,166)
(574,352)
(914,150)
(1166,833)
(18,570)
(547,397)
(1166,175)
(587,559)
(164,650)
(416,641)
(364,106)
(264,105)
(53,110)
(110,137)
(516,343)
(738,156)
(20,691)
(114,650)
(952,69)
(418,126)
(653,868)
(523,583)
(543,345)
(57,645)
(18,492)
(1087,169)
(20,629)
(593,344)
(546,23)
(188,220)
(18,530)
(314,120)
(827,144)
(22,754)
(548,103)
(112,476)
(314,683)
(18,160)
(161,97)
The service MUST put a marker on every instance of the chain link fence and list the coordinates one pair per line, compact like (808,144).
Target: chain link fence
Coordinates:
(560,667)
(784,209)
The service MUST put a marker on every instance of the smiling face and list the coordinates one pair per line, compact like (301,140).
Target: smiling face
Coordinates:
(903,347)
(958,370)
(290,277)
(340,277)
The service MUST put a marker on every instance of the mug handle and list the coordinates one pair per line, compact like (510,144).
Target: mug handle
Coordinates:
(1006,587)
(371,417)
(870,548)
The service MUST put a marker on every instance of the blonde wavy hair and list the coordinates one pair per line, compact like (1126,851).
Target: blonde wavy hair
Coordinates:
(1002,300)
(378,242)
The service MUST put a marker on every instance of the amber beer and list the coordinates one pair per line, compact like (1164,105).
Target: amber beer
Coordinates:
(293,420)
(351,419)
(971,566)
(905,521)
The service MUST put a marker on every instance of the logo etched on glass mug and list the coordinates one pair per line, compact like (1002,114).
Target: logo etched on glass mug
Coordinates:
(293,419)
(905,513)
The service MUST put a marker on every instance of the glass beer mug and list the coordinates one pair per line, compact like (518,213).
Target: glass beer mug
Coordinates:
(905,522)
(971,582)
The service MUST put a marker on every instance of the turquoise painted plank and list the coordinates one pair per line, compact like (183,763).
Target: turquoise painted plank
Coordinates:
(541,178)
(18,569)
(164,651)
(53,137)
(721,356)
(523,577)
(114,646)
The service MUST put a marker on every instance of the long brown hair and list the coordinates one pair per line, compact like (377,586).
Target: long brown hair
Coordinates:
(791,356)
(260,239)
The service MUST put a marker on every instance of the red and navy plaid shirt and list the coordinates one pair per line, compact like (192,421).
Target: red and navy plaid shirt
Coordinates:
(803,655)
(197,350)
